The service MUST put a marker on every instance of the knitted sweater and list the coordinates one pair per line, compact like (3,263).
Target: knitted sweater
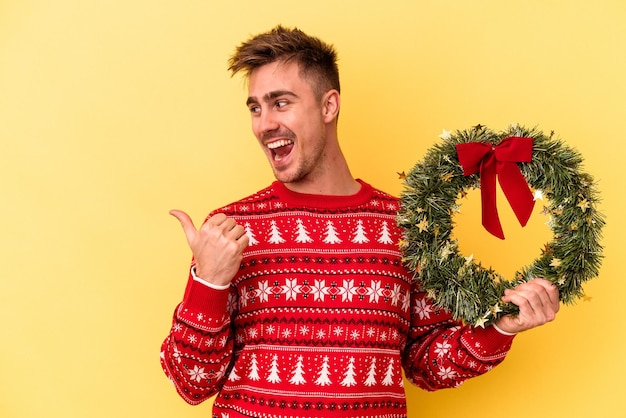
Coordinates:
(321,319)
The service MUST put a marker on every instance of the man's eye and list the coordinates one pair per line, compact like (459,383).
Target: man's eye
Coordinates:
(254,109)
(281,103)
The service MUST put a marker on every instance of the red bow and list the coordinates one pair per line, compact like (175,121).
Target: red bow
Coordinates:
(500,161)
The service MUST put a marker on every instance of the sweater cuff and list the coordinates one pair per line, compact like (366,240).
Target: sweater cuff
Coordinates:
(204,307)
(487,343)
(204,282)
(503,332)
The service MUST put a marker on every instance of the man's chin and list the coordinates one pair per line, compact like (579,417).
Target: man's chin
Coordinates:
(286,177)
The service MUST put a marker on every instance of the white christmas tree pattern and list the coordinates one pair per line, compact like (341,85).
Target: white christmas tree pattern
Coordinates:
(273,377)
(388,380)
(331,236)
(275,236)
(385,235)
(254,368)
(251,237)
(233,376)
(298,373)
(306,232)
(302,235)
(371,373)
(324,373)
(348,379)
(359,234)
(351,374)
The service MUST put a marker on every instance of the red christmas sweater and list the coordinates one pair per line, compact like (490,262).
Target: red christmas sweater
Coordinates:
(321,319)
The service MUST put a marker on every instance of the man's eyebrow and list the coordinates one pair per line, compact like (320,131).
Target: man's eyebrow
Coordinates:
(271,96)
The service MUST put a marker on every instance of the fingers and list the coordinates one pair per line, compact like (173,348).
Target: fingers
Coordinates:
(225,226)
(229,228)
(218,223)
(538,302)
(238,234)
(217,220)
(537,294)
(242,237)
(217,246)
(550,296)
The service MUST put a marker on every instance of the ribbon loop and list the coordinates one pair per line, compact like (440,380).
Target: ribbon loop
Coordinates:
(492,161)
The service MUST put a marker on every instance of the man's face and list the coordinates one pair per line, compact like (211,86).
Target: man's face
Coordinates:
(287,120)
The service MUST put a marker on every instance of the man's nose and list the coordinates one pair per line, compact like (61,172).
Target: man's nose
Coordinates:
(267,122)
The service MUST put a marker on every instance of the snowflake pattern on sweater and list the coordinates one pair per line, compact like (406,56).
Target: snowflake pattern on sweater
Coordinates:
(321,319)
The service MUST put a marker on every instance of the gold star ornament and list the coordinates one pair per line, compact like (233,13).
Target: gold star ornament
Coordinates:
(584,204)
(423,225)
(556,262)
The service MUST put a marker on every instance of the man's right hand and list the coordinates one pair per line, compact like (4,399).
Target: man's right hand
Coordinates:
(217,246)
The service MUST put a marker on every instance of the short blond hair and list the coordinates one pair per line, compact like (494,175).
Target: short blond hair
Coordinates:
(317,60)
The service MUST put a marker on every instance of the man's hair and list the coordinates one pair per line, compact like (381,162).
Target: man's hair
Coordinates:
(317,60)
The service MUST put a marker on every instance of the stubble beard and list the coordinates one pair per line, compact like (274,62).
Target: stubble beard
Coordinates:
(306,171)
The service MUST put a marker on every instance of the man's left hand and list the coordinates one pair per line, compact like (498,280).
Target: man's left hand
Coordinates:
(538,302)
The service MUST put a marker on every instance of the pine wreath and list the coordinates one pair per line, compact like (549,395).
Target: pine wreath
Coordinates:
(457,283)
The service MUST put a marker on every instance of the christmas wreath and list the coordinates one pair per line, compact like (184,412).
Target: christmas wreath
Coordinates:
(518,157)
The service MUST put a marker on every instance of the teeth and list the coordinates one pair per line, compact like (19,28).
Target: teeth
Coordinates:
(280,143)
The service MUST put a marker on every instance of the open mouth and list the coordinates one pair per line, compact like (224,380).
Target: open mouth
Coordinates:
(280,148)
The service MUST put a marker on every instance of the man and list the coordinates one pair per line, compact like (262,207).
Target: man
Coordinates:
(297,303)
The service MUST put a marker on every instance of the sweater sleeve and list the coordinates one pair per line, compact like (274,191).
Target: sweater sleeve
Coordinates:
(442,353)
(197,353)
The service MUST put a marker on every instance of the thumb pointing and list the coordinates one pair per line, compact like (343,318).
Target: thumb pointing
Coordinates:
(186,223)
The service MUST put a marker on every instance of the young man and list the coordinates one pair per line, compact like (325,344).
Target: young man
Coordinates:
(297,303)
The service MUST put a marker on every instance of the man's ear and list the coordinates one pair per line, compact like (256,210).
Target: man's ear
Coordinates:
(330,105)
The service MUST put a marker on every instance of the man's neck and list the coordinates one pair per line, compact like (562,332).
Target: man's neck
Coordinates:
(347,186)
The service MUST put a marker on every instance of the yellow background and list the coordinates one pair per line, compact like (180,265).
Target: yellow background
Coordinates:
(113,112)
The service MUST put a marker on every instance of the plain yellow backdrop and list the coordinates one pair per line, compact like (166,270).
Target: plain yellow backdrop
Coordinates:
(113,112)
